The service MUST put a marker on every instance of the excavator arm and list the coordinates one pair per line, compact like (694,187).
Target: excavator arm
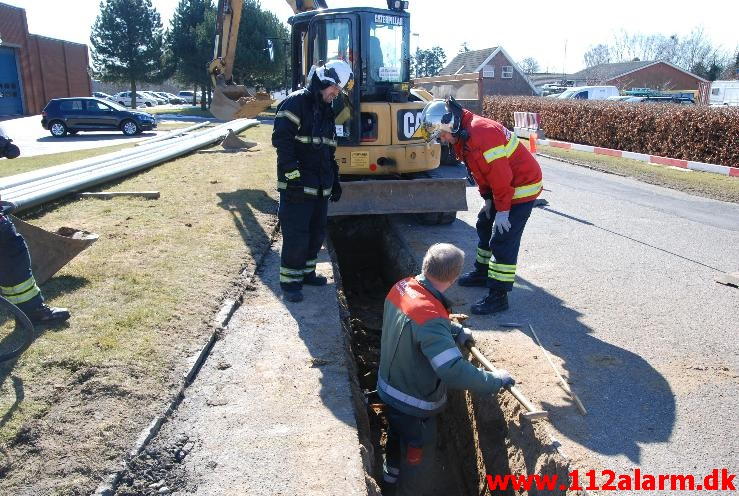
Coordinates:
(231,101)
(299,6)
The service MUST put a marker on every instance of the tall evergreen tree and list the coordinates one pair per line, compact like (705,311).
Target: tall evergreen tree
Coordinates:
(205,34)
(191,50)
(253,66)
(127,43)
(429,62)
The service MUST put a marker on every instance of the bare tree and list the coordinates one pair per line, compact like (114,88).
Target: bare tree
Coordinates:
(696,47)
(598,54)
(692,51)
(529,65)
(638,46)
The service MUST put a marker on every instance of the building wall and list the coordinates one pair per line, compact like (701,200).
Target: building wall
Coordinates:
(517,85)
(659,76)
(49,68)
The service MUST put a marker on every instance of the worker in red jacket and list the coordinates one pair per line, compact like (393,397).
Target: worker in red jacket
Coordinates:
(509,180)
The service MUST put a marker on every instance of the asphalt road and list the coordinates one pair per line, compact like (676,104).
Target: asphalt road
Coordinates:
(32,139)
(617,279)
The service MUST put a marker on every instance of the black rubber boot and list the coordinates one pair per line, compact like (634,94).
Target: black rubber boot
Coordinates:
(314,280)
(474,278)
(495,302)
(294,296)
(48,316)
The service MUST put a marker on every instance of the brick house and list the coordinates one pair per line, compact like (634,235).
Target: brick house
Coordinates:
(499,74)
(654,74)
(35,69)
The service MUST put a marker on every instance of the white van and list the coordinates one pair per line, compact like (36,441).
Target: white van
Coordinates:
(724,93)
(588,93)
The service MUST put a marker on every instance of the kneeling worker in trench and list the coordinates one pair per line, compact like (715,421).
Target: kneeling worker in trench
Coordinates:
(419,359)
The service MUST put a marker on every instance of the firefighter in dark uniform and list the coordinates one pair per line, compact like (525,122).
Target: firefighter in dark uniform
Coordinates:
(307,173)
(17,284)
(509,180)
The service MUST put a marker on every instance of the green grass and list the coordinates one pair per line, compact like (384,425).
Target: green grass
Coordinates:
(141,298)
(26,164)
(706,184)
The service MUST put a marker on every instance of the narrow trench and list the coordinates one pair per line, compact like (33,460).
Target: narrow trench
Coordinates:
(368,258)
(477,435)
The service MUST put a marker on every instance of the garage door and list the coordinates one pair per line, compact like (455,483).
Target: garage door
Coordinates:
(10,91)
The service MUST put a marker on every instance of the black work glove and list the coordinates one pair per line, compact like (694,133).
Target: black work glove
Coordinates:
(294,192)
(335,192)
(464,338)
(504,377)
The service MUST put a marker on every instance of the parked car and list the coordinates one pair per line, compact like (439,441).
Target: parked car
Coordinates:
(124,98)
(104,96)
(588,93)
(63,116)
(186,95)
(172,99)
(155,97)
(724,93)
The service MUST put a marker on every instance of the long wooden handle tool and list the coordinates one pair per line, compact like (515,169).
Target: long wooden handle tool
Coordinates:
(532,412)
(562,381)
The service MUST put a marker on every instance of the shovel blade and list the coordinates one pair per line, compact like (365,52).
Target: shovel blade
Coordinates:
(52,251)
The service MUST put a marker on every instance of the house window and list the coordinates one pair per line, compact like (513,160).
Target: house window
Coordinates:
(507,72)
(488,72)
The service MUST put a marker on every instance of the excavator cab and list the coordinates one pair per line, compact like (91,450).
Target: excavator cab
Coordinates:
(377,118)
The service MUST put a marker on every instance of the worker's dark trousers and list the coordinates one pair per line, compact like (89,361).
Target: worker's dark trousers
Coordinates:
(497,253)
(303,226)
(404,431)
(17,284)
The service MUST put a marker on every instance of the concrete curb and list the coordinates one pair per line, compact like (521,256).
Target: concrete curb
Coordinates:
(220,321)
(643,157)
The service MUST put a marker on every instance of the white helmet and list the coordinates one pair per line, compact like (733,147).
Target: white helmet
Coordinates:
(437,117)
(335,72)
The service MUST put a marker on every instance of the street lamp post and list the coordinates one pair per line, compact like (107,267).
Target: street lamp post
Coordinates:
(286,46)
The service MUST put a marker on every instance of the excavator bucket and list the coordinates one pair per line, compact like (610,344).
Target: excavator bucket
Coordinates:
(397,196)
(233,101)
(52,251)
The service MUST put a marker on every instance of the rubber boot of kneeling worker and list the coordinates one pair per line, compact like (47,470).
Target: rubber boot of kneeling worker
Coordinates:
(508,178)
(307,173)
(420,358)
(17,284)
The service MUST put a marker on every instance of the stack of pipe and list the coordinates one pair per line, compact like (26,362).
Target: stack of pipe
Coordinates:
(40,186)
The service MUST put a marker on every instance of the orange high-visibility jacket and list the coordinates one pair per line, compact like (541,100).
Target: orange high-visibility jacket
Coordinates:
(502,167)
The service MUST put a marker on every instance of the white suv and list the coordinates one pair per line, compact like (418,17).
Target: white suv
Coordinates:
(124,98)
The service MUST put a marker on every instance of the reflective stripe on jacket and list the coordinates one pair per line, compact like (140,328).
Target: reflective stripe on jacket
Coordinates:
(502,167)
(419,357)
(305,138)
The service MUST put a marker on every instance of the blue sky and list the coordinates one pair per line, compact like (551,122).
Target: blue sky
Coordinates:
(535,29)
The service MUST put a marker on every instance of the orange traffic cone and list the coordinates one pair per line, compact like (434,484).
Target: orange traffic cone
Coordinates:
(532,143)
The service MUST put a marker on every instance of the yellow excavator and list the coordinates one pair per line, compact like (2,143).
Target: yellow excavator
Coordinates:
(383,168)
(231,101)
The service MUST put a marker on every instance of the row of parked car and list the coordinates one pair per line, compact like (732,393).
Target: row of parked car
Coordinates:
(147,98)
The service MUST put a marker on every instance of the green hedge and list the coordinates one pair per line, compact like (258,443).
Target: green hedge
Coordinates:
(689,132)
